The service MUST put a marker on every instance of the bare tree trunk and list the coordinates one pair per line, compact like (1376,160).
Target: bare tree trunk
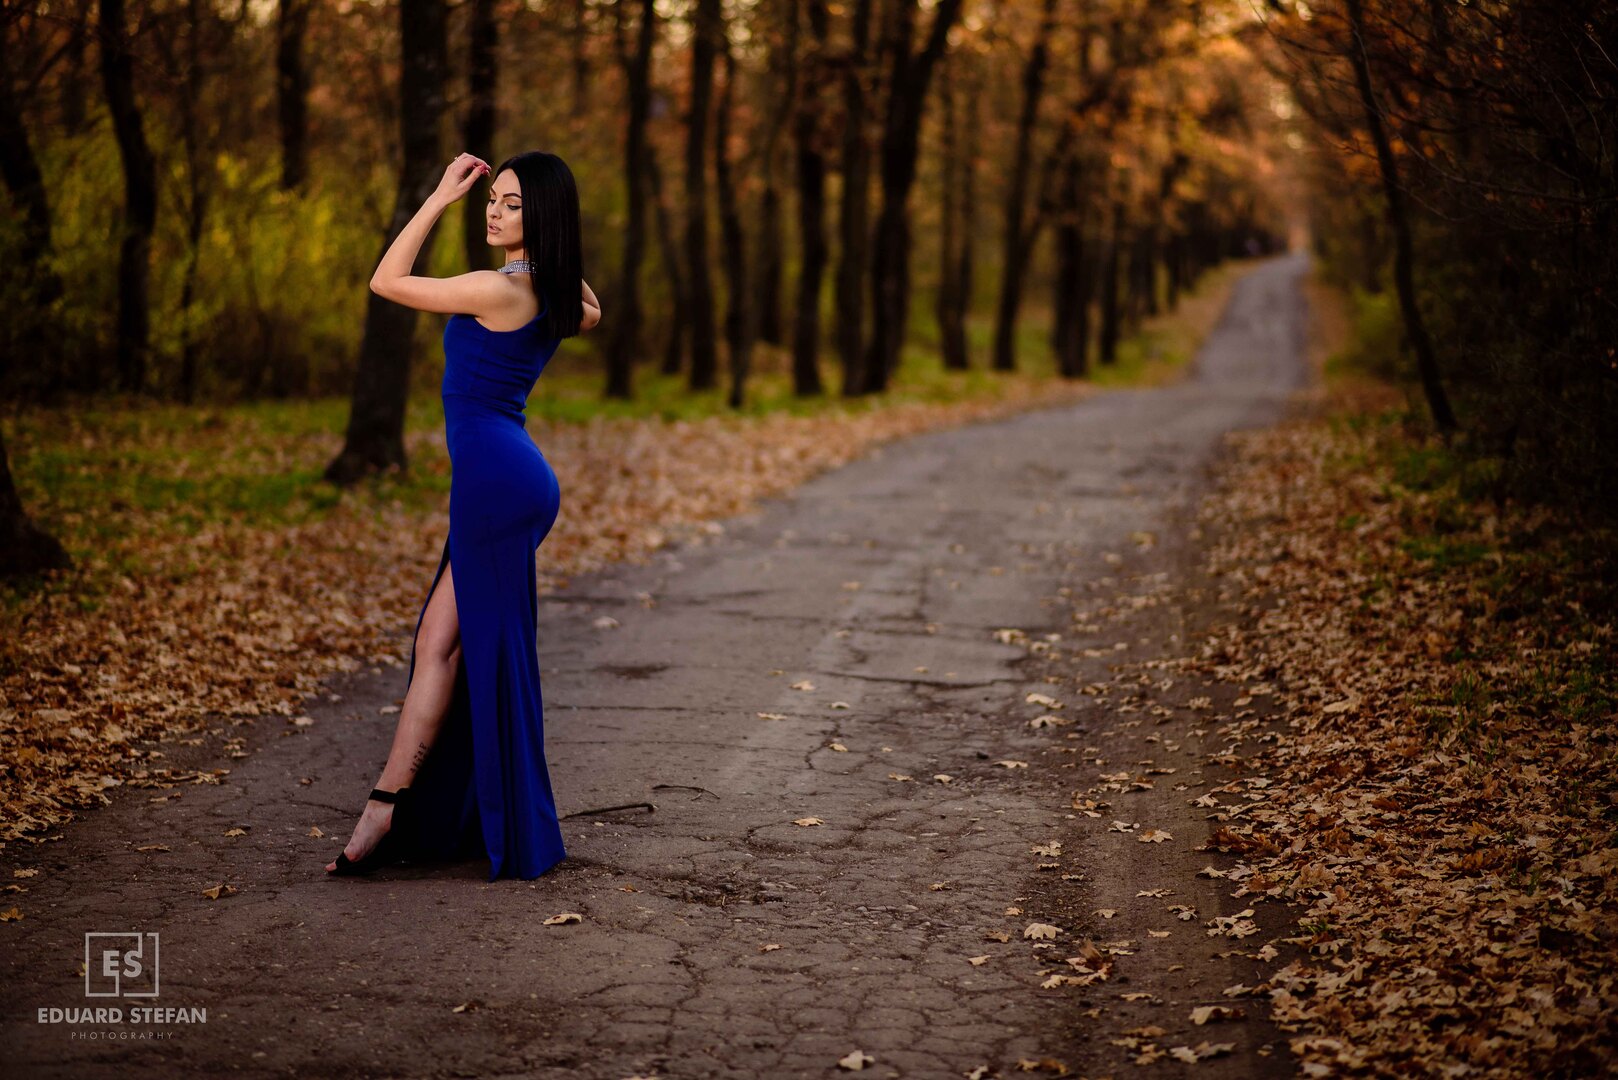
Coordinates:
(375,438)
(966,260)
(854,212)
(625,342)
(950,303)
(1149,256)
(770,321)
(669,248)
(1398,219)
(1075,280)
(1069,244)
(1172,263)
(771,264)
(24,547)
(1107,352)
(292,91)
(478,127)
(1138,302)
(1160,239)
(198,173)
(581,59)
(898,18)
(733,241)
(890,271)
(1015,235)
(140,199)
(704,45)
(811,168)
(74,82)
(26,183)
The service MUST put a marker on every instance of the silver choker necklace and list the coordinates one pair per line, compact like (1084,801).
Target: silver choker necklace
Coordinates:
(518,266)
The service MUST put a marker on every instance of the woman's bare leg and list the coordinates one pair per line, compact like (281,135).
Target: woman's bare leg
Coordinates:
(438,659)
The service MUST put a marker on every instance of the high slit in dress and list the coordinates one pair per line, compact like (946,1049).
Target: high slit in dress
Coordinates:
(484,786)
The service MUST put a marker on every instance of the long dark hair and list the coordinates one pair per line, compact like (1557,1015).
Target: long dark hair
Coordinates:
(550,236)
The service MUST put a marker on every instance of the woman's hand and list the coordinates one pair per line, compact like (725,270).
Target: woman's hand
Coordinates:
(592,308)
(458,179)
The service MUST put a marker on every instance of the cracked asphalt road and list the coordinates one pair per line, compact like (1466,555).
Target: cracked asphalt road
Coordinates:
(882,584)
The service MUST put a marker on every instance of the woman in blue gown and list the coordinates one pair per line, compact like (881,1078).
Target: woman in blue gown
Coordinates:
(467,772)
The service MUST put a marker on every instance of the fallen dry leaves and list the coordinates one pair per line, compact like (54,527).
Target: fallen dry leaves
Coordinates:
(1436,788)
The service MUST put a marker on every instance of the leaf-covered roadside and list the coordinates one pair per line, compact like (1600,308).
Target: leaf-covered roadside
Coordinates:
(1442,796)
(173,622)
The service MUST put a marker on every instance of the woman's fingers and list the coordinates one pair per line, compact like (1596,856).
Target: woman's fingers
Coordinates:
(475,167)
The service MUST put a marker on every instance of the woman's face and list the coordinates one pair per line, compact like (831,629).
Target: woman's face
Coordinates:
(504,212)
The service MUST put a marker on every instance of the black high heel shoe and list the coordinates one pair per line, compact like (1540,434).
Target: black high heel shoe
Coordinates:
(385,852)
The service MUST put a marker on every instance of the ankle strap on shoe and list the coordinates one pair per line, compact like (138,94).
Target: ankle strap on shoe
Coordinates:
(385,796)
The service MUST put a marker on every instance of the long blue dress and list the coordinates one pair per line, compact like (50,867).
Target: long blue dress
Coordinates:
(485,777)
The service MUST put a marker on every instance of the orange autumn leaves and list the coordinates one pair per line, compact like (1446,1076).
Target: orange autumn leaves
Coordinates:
(1439,799)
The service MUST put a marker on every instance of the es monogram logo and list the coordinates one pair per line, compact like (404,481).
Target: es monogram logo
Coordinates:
(120,964)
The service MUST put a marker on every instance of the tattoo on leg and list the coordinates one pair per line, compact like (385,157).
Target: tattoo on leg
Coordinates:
(419,757)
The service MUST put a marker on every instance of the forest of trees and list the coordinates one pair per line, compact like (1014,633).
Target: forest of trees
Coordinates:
(198,190)
(1467,170)
(754,175)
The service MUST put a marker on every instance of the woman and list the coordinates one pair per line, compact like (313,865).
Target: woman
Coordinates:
(467,768)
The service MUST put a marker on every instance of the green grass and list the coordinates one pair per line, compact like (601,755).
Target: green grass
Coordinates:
(1373,345)
(1538,592)
(1444,552)
(104,477)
